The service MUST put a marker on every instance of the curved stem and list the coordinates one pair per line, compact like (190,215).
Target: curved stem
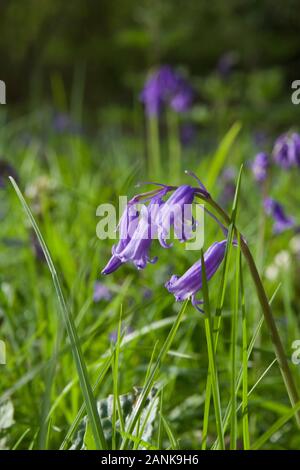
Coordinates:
(267,311)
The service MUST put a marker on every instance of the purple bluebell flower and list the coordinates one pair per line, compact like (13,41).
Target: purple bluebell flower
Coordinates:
(286,151)
(137,248)
(6,170)
(260,166)
(227,179)
(187,134)
(63,123)
(127,226)
(101,292)
(137,228)
(226,63)
(165,86)
(190,283)
(113,336)
(282,221)
(177,212)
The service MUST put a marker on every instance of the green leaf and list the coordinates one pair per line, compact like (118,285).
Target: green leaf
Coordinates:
(219,158)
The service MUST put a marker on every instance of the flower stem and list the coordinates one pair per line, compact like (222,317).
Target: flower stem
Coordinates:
(267,311)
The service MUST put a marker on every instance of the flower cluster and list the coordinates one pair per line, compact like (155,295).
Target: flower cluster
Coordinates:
(139,226)
(166,87)
(282,221)
(286,154)
(286,151)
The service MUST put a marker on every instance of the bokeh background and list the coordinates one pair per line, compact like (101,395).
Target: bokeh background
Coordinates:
(74,134)
(111,45)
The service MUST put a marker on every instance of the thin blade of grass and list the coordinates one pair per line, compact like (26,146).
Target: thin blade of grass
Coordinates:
(149,383)
(275,427)
(72,333)
(245,418)
(211,356)
(234,333)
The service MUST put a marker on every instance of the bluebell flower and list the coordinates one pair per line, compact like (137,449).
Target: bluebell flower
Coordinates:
(101,292)
(166,87)
(190,283)
(139,226)
(226,63)
(138,247)
(137,229)
(260,166)
(177,212)
(282,221)
(286,151)
(6,170)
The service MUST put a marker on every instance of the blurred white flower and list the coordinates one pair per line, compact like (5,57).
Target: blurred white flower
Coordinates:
(272,272)
(295,245)
(283,260)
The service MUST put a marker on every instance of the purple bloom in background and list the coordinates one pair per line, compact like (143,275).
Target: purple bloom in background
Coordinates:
(165,86)
(63,123)
(187,134)
(282,222)
(226,63)
(113,336)
(190,283)
(286,151)
(260,166)
(6,170)
(101,292)
(227,179)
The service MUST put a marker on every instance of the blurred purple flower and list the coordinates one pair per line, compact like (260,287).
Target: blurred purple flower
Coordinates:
(114,334)
(226,63)
(190,283)
(6,170)
(187,134)
(36,247)
(282,222)
(286,151)
(227,179)
(260,166)
(63,123)
(101,292)
(166,87)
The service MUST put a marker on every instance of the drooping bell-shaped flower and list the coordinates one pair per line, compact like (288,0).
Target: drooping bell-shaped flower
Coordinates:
(190,283)
(260,166)
(137,228)
(176,212)
(138,247)
(127,226)
(286,151)
(282,221)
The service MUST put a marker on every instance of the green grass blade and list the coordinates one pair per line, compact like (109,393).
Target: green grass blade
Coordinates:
(72,333)
(275,427)
(234,332)
(149,383)
(218,160)
(211,357)
(245,418)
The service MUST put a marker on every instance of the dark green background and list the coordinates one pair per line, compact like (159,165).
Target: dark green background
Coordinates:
(114,42)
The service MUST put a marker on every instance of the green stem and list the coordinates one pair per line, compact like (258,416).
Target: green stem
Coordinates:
(153,147)
(174,146)
(267,311)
